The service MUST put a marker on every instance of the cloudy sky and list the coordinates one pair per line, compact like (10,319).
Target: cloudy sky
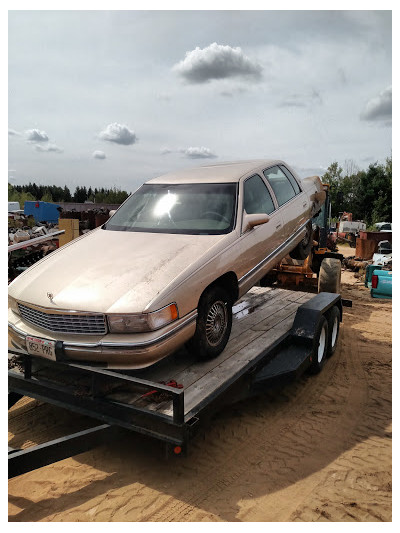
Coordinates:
(113,98)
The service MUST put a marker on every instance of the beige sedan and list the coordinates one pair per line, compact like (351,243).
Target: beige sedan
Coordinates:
(166,268)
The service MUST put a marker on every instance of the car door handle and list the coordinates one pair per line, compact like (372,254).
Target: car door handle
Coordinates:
(278,226)
(305,204)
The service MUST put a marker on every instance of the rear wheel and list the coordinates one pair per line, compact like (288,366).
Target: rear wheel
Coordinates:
(330,275)
(320,346)
(303,249)
(333,317)
(214,324)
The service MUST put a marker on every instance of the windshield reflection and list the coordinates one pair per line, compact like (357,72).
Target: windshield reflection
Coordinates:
(197,208)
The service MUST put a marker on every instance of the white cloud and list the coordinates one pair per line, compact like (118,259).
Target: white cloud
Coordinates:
(49,148)
(98,154)
(166,150)
(13,132)
(118,133)
(37,136)
(379,107)
(217,62)
(195,152)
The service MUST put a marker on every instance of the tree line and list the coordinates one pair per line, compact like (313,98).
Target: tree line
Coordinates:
(54,193)
(367,194)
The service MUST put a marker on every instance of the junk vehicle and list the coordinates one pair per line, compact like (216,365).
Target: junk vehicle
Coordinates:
(180,251)
(348,229)
(276,335)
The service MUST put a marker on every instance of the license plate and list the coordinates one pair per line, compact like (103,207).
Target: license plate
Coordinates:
(42,347)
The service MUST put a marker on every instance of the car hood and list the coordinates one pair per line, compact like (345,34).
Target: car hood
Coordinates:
(111,271)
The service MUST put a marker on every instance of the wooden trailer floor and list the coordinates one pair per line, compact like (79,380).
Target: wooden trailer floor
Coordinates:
(260,318)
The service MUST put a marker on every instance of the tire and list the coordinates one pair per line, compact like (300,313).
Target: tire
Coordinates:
(214,324)
(320,346)
(352,240)
(268,280)
(303,249)
(333,318)
(330,275)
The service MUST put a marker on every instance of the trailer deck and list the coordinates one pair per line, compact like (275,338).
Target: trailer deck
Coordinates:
(260,318)
(272,338)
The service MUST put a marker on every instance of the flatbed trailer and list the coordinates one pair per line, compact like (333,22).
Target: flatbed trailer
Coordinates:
(274,339)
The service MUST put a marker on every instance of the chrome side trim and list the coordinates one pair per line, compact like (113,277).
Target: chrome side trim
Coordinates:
(17,330)
(271,255)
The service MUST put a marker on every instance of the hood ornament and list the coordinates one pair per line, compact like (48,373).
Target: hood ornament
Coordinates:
(50,296)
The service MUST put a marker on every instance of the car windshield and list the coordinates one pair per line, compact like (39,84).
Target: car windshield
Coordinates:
(199,208)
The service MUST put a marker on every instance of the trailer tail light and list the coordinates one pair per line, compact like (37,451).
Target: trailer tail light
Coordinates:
(177,450)
(374,281)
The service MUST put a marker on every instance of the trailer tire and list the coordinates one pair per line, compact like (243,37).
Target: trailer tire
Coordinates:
(333,318)
(320,346)
(330,275)
(303,249)
(214,323)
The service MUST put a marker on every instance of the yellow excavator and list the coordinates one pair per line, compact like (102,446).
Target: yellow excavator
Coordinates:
(323,265)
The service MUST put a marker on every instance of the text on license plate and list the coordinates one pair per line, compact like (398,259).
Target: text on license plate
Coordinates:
(42,347)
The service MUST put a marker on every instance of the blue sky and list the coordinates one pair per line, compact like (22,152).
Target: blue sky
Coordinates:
(113,98)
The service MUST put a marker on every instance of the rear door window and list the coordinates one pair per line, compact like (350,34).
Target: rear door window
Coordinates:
(292,180)
(280,184)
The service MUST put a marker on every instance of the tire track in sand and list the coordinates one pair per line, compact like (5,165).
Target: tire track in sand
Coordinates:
(284,436)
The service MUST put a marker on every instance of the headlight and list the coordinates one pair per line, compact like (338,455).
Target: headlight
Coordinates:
(140,322)
(12,304)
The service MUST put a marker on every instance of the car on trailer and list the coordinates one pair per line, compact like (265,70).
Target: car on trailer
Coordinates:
(278,334)
(167,267)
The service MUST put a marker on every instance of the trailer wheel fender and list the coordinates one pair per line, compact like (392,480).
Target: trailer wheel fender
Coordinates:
(333,318)
(319,346)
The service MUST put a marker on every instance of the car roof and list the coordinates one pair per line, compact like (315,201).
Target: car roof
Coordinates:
(227,172)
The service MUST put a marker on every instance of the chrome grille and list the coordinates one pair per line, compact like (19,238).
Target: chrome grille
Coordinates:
(85,324)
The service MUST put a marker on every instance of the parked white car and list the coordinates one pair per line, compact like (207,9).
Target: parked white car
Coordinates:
(167,266)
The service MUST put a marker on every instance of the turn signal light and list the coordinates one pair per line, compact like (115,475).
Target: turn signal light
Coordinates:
(374,281)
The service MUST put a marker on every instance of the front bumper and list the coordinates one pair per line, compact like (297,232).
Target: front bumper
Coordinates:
(124,351)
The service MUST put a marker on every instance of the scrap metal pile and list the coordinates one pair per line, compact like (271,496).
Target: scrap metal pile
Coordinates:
(89,219)
(28,242)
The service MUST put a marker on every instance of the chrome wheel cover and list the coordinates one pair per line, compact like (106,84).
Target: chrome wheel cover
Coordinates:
(216,322)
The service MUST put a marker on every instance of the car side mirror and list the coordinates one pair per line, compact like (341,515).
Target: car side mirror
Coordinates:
(111,213)
(256,219)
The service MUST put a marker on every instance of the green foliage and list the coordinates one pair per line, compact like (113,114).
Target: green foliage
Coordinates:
(53,193)
(365,193)
(21,197)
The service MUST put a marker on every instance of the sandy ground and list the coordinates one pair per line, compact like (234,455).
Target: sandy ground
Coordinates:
(318,450)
